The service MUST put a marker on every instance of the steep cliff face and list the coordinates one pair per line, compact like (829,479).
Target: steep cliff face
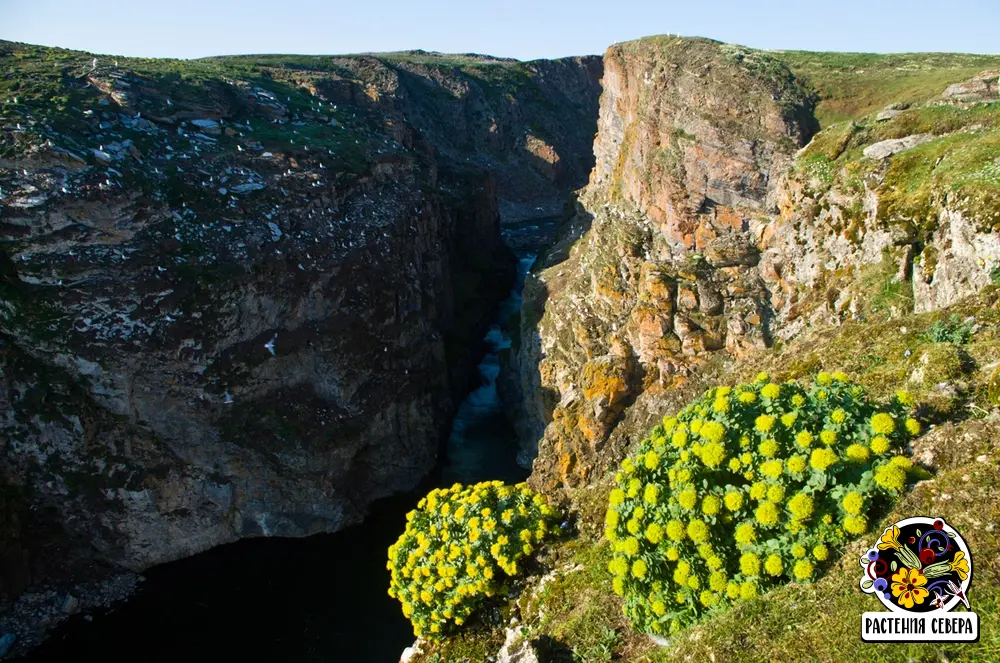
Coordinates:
(530,124)
(658,269)
(706,233)
(243,296)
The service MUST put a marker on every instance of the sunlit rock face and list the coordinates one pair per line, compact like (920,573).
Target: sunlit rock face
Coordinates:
(717,221)
(660,268)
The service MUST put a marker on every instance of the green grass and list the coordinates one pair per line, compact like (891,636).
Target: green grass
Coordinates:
(854,85)
(821,622)
(958,169)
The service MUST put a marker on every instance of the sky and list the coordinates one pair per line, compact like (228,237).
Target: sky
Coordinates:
(510,28)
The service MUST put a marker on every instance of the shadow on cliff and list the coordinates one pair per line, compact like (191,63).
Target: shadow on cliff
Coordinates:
(532,412)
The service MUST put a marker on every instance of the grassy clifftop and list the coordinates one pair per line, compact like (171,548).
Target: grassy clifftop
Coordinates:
(853,85)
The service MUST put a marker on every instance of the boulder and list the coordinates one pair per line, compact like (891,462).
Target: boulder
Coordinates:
(516,649)
(982,87)
(208,126)
(888,114)
(886,148)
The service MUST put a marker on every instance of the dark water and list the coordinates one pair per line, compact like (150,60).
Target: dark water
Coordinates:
(322,598)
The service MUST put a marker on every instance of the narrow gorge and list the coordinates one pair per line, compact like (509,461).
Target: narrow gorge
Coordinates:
(253,308)
(245,297)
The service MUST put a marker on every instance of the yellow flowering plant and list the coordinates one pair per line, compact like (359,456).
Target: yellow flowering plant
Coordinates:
(460,545)
(749,487)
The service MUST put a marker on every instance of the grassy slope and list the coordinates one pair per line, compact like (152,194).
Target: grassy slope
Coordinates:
(821,621)
(960,162)
(43,90)
(853,85)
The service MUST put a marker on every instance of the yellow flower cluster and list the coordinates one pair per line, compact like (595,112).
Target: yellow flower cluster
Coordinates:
(748,487)
(458,545)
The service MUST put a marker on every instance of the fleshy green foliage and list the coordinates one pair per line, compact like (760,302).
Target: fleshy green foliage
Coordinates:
(747,488)
(459,545)
(952,330)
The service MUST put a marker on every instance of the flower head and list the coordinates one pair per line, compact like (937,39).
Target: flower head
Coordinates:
(858,453)
(772,468)
(768,448)
(697,530)
(676,530)
(883,423)
(733,500)
(801,506)
(745,534)
(712,454)
(804,439)
(853,502)
(960,565)
(764,423)
(820,459)
(796,465)
(908,587)
(767,514)
(879,444)
(749,564)
(710,505)
(891,477)
(855,525)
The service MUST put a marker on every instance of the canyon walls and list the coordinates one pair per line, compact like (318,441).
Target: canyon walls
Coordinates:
(244,296)
(720,220)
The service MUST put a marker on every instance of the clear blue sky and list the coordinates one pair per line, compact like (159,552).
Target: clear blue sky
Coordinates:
(513,28)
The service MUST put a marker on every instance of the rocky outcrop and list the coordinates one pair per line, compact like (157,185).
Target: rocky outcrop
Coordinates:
(955,264)
(659,271)
(246,302)
(982,87)
(886,148)
(705,232)
(530,124)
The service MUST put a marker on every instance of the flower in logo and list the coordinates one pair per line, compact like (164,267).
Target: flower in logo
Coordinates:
(908,587)
(918,565)
(889,539)
(960,565)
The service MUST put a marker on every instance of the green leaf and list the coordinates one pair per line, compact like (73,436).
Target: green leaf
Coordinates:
(894,565)
(867,584)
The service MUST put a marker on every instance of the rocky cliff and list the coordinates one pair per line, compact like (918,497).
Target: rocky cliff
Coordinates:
(719,220)
(782,212)
(243,296)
